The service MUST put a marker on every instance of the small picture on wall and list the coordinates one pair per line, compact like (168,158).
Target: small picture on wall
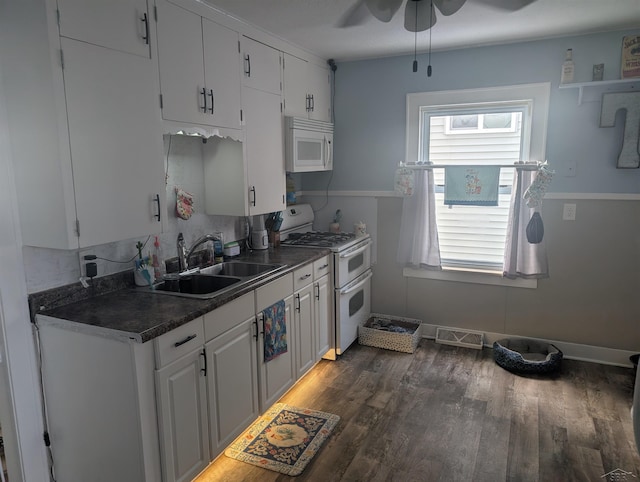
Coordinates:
(630,65)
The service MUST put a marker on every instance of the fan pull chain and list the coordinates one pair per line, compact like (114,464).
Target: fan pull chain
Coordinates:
(415,40)
(429,69)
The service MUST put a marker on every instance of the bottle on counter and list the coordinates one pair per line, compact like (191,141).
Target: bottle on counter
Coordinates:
(567,68)
(157,261)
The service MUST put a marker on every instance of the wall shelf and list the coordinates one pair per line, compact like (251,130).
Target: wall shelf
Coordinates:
(598,87)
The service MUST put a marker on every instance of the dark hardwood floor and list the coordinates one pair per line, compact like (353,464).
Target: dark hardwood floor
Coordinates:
(451,414)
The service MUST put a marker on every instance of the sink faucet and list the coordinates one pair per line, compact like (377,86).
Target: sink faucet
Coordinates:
(184,254)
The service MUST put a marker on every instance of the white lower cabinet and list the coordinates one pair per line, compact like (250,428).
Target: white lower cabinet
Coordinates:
(277,375)
(323,313)
(183,418)
(181,393)
(232,371)
(304,319)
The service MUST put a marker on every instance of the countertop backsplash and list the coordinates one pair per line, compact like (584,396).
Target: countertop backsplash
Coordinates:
(51,268)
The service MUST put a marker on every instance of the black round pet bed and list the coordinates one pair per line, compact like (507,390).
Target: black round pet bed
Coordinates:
(520,355)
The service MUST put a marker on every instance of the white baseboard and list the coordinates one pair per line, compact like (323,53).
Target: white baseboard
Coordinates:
(571,351)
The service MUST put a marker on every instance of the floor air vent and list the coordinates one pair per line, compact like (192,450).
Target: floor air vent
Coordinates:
(456,337)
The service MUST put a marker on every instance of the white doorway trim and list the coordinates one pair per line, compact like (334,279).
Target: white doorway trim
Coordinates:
(20,404)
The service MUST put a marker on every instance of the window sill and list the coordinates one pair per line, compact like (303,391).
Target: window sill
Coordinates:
(469,276)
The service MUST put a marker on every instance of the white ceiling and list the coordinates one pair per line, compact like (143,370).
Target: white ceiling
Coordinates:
(312,24)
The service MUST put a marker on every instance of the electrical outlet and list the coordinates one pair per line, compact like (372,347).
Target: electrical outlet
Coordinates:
(83,262)
(569,212)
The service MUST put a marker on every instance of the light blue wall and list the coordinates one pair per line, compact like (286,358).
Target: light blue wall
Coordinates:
(370,111)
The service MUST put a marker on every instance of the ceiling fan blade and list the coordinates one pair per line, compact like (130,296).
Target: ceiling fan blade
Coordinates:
(383,10)
(421,14)
(356,15)
(449,7)
(511,5)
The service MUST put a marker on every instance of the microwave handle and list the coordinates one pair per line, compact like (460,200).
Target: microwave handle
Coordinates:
(353,252)
(348,289)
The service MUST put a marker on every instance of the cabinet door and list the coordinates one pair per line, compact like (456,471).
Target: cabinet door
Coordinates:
(296,86)
(264,151)
(182,416)
(233,384)
(181,64)
(323,313)
(304,329)
(116,146)
(320,87)
(116,24)
(277,375)
(222,79)
(261,66)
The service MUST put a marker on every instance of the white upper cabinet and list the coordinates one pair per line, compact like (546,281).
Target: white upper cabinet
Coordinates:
(116,146)
(307,91)
(222,80)
(199,78)
(264,151)
(116,24)
(261,66)
(95,174)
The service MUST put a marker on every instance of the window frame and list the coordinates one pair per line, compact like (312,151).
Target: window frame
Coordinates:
(536,95)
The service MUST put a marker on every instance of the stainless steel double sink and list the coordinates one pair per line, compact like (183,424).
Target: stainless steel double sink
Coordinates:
(211,281)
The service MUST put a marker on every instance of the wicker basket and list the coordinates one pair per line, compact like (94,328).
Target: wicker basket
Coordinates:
(378,331)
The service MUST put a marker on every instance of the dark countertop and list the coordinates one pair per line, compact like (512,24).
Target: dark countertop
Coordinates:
(141,316)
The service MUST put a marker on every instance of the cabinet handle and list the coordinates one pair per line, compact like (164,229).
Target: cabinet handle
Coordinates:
(212,101)
(252,191)
(204,98)
(306,276)
(157,200)
(182,342)
(261,321)
(326,265)
(255,322)
(308,103)
(317,290)
(312,103)
(298,303)
(145,20)
(204,370)
(247,71)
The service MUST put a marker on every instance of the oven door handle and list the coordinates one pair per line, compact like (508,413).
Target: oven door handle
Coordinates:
(356,250)
(348,289)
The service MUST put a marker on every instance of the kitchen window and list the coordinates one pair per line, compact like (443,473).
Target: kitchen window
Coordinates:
(497,126)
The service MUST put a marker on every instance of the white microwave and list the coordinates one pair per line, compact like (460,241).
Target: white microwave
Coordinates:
(308,144)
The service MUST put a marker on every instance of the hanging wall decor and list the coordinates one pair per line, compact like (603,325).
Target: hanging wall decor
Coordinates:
(629,157)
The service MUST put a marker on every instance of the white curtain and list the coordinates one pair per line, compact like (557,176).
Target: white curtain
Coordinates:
(521,258)
(419,246)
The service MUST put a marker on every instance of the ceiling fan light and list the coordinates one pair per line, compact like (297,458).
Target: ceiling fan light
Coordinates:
(383,10)
(418,19)
(448,7)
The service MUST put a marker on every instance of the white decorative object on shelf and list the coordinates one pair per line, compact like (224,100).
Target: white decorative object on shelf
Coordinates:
(629,102)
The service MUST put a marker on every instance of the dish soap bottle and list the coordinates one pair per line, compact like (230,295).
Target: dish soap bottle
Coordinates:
(567,68)
(157,261)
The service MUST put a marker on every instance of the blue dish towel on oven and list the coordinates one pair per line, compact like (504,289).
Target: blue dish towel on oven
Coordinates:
(471,185)
(275,331)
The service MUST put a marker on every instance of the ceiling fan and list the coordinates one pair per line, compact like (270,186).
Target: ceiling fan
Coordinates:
(419,15)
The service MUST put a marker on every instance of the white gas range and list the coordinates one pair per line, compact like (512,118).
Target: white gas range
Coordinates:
(351,269)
